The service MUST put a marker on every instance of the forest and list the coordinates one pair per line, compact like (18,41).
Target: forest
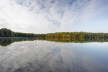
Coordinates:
(58,36)
(8,33)
(77,36)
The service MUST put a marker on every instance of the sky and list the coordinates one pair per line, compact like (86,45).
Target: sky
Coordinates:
(46,16)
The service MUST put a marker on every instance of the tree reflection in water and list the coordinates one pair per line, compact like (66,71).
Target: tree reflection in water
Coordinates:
(5,41)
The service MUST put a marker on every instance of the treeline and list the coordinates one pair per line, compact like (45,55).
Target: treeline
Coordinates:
(8,33)
(77,36)
(59,36)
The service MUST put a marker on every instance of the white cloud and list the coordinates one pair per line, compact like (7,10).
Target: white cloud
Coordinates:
(42,16)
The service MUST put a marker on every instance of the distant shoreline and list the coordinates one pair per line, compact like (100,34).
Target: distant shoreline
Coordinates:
(58,36)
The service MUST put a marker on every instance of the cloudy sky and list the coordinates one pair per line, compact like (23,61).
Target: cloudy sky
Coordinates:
(44,16)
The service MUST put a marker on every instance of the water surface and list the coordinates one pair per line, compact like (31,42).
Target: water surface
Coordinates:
(47,56)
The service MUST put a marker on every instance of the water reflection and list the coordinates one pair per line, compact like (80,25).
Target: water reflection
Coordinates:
(46,56)
(5,41)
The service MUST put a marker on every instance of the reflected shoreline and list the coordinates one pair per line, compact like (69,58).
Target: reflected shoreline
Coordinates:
(5,41)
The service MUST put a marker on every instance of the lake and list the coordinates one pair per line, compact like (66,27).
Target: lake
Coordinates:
(49,56)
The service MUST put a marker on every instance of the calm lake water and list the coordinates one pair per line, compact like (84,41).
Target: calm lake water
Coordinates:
(47,56)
